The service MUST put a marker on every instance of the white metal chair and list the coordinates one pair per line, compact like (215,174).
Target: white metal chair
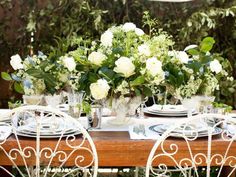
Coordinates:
(68,153)
(213,151)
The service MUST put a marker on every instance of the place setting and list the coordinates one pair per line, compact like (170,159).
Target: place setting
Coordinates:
(49,126)
(168,110)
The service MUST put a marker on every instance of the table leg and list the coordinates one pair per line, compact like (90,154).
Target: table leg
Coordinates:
(226,171)
(4,173)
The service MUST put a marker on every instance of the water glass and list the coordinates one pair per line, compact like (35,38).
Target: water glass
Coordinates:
(75,100)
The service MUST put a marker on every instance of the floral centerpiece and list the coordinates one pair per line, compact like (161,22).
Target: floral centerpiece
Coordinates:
(36,75)
(196,71)
(123,66)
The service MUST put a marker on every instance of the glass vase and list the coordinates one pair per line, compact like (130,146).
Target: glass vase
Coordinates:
(33,99)
(53,100)
(124,108)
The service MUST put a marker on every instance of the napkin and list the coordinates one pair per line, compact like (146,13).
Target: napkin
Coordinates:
(5,132)
(149,134)
(4,114)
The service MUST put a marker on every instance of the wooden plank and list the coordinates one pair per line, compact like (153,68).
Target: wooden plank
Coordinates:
(116,149)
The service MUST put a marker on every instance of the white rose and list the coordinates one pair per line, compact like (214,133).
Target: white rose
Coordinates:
(180,55)
(153,66)
(144,50)
(69,63)
(193,46)
(215,66)
(16,62)
(124,66)
(106,38)
(96,58)
(139,31)
(129,27)
(99,89)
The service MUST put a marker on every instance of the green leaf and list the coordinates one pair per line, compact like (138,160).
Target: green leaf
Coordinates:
(193,52)
(138,81)
(18,87)
(92,77)
(35,73)
(147,91)
(207,44)
(6,76)
(107,73)
(137,92)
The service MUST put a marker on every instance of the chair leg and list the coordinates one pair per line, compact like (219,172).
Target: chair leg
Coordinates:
(136,171)
(85,173)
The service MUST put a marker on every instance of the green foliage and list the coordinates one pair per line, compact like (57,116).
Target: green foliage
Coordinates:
(56,24)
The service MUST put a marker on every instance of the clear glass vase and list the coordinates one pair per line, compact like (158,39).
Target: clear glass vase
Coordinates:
(33,99)
(124,108)
(53,100)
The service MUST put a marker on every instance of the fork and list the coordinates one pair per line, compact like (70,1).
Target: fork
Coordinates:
(142,129)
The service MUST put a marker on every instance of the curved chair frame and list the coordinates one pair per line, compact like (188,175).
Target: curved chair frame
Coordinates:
(36,152)
(194,160)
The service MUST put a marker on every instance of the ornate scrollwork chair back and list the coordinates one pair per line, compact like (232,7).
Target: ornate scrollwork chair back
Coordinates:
(47,142)
(204,146)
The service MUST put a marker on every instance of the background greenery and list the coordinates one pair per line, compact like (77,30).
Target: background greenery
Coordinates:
(59,25)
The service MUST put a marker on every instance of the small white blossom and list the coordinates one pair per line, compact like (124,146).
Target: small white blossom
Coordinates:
(129,27)
(99,89)
(97,58)
(69,63)
(139,31)
(153,66)
(215,66)
(124,66)
(180,55)
(16,62)
(144,50)
(193,46)
(106,38)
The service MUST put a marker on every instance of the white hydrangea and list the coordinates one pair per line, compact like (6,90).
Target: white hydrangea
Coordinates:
(139,31)
(129,27)
(124,66)
(106,38)
(144,50)
(215,66)
(16,62)
(97,58)
(69,63)
(182,56)
(153,66)
(99,89)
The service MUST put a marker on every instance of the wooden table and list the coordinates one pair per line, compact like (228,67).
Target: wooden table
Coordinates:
(116,148)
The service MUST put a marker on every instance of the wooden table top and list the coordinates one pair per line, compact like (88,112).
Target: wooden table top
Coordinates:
(117,149)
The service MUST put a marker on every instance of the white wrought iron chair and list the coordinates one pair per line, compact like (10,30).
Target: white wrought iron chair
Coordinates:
(67,153)
(193,155)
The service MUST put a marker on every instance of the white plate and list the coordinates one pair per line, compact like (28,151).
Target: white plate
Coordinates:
(200,133)
(167,108)
(48,136)
(168,114)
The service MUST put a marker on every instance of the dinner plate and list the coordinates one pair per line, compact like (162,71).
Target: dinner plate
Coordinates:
(47,136)
(168,114)
(200,131)
(168,109)
(4,115)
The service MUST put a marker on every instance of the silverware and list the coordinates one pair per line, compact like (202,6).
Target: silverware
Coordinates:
(139,129)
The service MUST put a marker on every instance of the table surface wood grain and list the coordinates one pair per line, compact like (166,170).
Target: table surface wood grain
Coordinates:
(117,149)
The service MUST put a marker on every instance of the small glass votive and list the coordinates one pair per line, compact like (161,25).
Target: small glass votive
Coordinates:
(75,100)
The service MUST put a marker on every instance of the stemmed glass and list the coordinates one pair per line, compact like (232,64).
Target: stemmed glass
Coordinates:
(190,104)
